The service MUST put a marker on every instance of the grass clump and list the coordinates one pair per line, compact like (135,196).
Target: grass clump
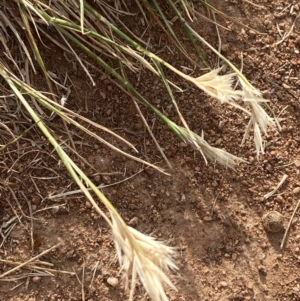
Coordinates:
(95,28)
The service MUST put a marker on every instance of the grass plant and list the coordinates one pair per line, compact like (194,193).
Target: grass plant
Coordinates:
(95,28)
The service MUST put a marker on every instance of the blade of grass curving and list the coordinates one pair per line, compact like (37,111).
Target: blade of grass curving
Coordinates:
(70,165)
(185,6)
(19,39)
(192,140)
(169,28)
(187,31)
(34,45)
(209,6)
(145,122)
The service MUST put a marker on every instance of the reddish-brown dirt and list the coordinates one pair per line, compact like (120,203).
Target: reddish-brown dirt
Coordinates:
(213,215)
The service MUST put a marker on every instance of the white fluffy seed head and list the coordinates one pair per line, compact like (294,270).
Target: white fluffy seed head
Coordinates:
(142,255)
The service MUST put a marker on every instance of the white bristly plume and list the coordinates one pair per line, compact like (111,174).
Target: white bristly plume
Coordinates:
(260,120)
(142,255)
(218,86)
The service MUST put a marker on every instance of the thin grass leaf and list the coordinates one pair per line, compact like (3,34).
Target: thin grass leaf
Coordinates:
(34,46)
(19,39)
(169,28)
(186,29)
(81,14)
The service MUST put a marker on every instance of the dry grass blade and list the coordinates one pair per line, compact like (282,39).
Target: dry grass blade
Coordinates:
(29,261)
(151,134)
(34,266)
(289,225)
(33,43)
(266,196)
(19,39)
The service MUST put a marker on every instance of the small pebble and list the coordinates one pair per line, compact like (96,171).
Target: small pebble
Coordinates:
(296,190)
(113,281)
(207,218)
(252,33)
(223,284)
(36,279)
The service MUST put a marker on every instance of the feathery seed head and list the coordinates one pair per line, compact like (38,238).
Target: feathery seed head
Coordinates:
(218,86)
(260,120)
(142,255)
(212,153)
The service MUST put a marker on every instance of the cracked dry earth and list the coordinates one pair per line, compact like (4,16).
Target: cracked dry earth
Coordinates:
(212,214)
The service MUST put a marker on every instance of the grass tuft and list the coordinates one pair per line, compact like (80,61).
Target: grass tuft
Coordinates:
(94,34)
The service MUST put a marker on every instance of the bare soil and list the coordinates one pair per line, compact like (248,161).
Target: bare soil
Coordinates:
(212,214)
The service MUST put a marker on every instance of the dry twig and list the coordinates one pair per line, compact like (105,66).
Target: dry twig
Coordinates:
(289,225)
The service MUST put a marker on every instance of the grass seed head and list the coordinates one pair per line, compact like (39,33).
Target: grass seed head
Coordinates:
(260,120)
(142,255)
(218,86)
(209,152)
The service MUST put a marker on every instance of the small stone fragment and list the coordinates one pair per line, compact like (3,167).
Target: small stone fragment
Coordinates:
(223,284)
(296,190)
(252,33)
(133,221)
(207,218)
(113,281)
(36,279)
(273,221)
